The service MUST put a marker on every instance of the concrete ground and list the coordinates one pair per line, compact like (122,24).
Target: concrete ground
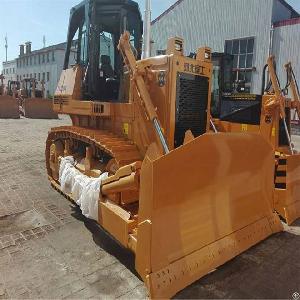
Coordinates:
(49,251)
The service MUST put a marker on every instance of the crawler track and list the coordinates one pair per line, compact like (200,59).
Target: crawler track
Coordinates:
(121,150)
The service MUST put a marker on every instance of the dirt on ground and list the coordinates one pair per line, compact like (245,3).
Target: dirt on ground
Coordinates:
(48,250)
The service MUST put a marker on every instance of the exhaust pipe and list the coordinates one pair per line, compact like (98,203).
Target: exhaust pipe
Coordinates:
(147,30)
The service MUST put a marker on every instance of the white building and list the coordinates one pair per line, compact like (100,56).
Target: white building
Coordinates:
(9,69)
(45,64)
(250,30)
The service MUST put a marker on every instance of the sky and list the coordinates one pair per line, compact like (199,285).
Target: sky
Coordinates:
(30,20)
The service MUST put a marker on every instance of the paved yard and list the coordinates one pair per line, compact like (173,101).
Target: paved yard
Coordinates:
(48,250)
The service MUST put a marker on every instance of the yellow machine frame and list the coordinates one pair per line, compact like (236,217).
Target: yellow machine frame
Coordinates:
(287,162)
(183,210)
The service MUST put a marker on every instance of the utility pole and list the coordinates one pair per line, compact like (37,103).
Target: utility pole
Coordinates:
(6,46)
(147,29)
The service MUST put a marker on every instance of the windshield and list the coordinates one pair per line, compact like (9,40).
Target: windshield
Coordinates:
(106,26)
(94,32)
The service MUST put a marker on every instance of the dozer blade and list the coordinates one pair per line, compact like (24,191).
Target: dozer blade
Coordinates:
(287,188)
(200,206)
(39,108)
(9,107)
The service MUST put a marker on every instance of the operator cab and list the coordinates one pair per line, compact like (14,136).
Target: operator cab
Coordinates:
(12,86)
(30,88)
(95,28)
(222,81)
(230,102)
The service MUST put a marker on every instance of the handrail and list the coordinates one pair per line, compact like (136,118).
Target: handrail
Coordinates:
(129,59)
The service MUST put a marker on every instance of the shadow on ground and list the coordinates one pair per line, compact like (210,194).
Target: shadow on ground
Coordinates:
(107,242)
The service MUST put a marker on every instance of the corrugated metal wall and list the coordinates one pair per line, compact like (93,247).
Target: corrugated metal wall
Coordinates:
(286,48)
(211,22)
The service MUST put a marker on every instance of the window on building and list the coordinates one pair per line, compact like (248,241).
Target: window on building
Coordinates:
(26,75)
(39,77)
(242,51)
(17,77)
(43,59)
(14,70)
(53,56)
(44,77)
(30,60)
(48,76)
(48,58)
(39,59)
(34,75)
(30,76)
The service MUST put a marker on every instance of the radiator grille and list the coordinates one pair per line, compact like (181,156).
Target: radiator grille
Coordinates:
(191,106)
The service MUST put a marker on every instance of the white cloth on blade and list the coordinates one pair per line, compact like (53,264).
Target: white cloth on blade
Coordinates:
(85,190)
(86,193)
(67,172)
(63,162)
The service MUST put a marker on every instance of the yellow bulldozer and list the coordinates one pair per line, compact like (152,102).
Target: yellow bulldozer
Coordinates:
(140,159)
(9,105)
(268,114)
(33,103)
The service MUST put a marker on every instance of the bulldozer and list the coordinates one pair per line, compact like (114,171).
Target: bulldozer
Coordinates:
(33,103)
(268,114)
(9,106)
(140,159)
(13,88)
